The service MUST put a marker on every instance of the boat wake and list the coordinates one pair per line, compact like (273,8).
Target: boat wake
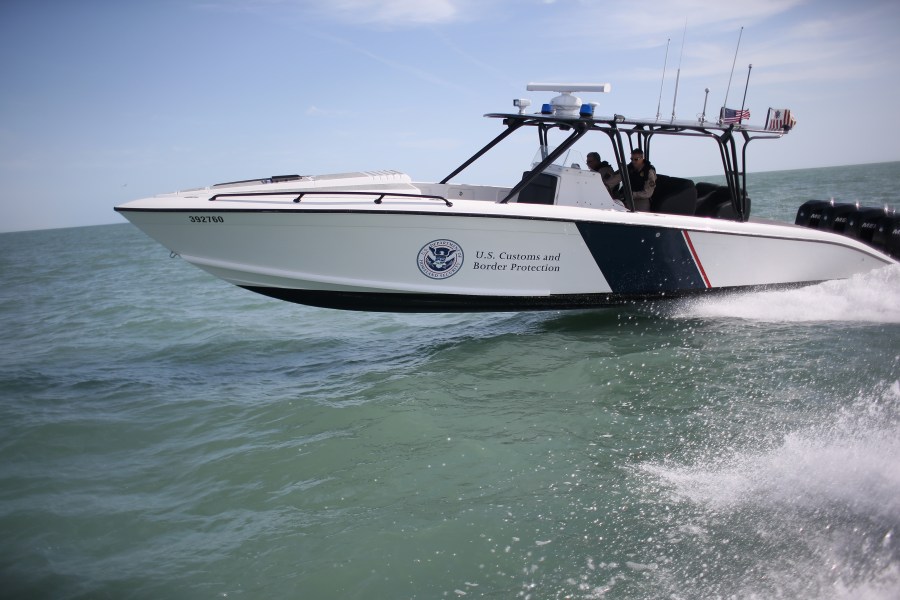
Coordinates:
(824,502)
(867,297)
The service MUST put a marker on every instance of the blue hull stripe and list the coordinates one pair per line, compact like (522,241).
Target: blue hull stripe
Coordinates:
(642,259)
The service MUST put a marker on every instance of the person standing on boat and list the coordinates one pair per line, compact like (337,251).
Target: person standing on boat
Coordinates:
(611,178)
(642,176)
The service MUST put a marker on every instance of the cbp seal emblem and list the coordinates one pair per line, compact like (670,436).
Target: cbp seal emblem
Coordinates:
(440,259)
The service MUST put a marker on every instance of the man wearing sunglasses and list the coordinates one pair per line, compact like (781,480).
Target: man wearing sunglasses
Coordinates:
(642,176)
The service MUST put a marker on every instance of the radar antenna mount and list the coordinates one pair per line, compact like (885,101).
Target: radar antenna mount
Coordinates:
(567,105)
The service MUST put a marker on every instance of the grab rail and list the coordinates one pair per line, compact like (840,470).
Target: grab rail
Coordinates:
(299,195)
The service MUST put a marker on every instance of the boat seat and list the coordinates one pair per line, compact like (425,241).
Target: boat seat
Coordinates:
(674,196)
(704,188)
(715,201)
(710,199)
(725,210)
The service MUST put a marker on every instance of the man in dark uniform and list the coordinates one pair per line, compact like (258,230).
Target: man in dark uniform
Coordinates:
(611,178)
(642,176)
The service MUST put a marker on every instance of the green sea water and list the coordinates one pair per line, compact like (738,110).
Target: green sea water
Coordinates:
(166,435)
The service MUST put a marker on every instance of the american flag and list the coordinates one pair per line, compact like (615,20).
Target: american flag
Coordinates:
(729,115)
(780,119)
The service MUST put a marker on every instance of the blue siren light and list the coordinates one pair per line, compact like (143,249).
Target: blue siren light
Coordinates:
(547,109)
(587,110)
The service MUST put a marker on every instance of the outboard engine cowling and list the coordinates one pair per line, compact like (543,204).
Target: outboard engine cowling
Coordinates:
(864,222)
(810,213)
(887,235)
(876,227)
(836,216)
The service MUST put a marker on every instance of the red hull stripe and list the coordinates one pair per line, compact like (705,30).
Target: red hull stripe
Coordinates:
(690,244)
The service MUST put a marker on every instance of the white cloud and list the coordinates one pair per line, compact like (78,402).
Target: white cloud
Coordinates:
(394,12)
(384,13)
(648,23)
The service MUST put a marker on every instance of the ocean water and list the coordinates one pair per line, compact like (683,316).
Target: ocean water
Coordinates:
(166,435)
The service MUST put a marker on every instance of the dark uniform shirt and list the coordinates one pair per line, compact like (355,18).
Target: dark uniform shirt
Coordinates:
(643,182)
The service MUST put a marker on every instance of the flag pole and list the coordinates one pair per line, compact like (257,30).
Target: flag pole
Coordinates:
(744,101)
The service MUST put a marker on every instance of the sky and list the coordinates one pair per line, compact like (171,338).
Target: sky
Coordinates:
(106,101)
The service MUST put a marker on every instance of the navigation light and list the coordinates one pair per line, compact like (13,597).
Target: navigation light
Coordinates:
(521,104)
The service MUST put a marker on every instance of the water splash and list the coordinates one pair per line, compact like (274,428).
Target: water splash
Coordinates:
(850,461)
(868,297)
(824,502)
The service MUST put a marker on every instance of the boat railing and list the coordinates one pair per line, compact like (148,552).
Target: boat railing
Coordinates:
(298,195)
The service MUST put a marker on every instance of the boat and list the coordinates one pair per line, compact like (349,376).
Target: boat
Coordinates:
(557,239)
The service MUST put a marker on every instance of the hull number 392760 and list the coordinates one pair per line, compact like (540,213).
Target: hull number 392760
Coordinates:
(206,219)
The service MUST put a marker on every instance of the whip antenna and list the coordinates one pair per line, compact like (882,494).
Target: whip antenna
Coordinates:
(665,62)
(746,85)
(705,98)
(678,74)
(728,89)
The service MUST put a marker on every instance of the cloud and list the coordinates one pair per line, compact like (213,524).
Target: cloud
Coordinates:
(383,13)
(787,41)
(315,111)
(648,23)
(494,72)
(394,12)
(425,75)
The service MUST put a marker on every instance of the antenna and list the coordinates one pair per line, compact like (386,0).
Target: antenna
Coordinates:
(678,75)
(566,105)
(746,85)
(665,63)
(569,87)
(705,98)
(728,89)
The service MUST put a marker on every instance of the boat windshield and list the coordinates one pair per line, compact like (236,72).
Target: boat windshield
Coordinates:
(572,158)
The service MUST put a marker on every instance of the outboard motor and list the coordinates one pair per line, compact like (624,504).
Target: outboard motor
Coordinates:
(810,213)
(877,227)
(887,235)
(864,222)
(836,216)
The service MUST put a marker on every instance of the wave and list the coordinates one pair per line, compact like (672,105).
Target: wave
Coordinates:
(850,460)
(872,297)
(828,494)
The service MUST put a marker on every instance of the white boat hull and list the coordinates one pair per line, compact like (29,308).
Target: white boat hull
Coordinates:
(478,256)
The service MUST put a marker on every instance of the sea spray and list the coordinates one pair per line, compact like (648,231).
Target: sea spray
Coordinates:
(867,297)
(833,486)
